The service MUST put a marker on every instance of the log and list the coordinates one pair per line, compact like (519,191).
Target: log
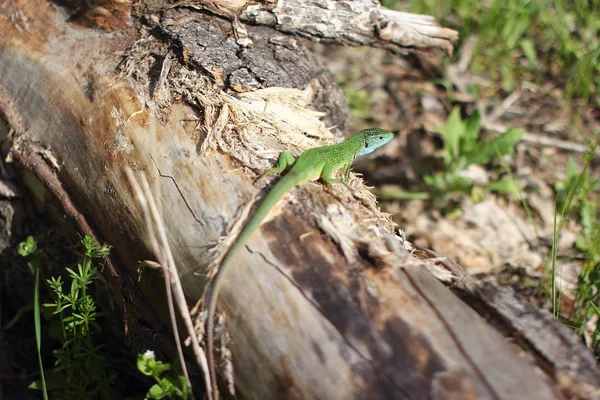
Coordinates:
(328,301)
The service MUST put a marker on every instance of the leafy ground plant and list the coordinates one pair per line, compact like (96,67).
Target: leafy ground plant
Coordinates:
(80,370)
(463,146)
(166,387)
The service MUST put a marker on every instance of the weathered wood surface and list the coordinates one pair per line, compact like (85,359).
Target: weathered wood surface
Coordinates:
(326,302)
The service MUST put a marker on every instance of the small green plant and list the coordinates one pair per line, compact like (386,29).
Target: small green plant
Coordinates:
(577,195)
(166,387)
(463,146)
(26,249)
(80,370)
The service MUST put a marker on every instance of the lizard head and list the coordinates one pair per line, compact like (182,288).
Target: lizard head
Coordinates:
(374,138)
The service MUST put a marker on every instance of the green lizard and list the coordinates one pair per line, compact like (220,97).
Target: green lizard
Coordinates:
(315,163)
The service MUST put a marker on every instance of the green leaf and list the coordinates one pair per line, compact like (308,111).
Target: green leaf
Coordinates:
(27,247)
(184,387)
(505,143)
(452,131)
(480,154)
(156,392)
(498,146)
(143,364)
(529,51)
(571,169)
(62,308)
(522,22)
(38,327)
(470,134)
(506,185)
(72,273)
(159,367)
(588,216)
(461,184)
(570,177)
(435,181)
(36,385)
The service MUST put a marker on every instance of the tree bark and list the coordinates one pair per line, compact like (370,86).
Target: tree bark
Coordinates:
(327,302)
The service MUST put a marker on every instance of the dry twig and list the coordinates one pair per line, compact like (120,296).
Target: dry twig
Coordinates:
(175,296)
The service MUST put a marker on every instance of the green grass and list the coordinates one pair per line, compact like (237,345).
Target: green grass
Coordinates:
(26,249)
(577,198)
(533,40)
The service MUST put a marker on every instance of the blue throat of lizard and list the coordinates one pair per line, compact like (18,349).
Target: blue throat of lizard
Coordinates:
(372,139)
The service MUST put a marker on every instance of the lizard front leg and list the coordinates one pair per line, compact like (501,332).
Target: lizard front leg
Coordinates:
(347,172)
(326,174)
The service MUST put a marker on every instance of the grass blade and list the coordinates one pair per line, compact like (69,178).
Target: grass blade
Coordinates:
(38,327)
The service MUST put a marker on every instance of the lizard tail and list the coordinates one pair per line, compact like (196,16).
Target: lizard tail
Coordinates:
(285,184)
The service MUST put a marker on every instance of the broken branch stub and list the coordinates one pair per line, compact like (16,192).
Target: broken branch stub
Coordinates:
(352,23)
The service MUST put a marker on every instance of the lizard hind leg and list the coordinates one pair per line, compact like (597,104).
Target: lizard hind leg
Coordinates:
(284,161)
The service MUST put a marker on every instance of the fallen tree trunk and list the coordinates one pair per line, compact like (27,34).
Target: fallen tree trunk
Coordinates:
(327,302)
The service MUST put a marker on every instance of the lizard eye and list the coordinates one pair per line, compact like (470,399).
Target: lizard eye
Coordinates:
(380,137)
(366,145)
